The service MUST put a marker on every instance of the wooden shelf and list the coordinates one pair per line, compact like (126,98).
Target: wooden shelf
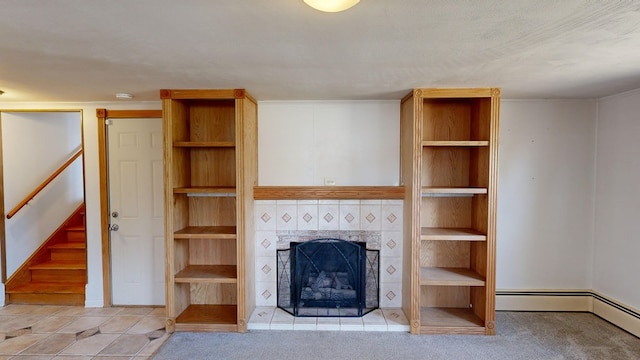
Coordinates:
(429,190)
(208,318)
(206,190)
(208,274)
(449,167)
(327,192)
(210,156)
(450,320)
(452,234)
(206,232)
(204,144)
(437,276)
(471,143)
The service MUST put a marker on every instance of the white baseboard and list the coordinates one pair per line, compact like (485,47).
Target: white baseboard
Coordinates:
(620,315)
(545,300)
(609,309)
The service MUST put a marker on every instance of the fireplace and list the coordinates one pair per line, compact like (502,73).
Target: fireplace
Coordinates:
(328,278)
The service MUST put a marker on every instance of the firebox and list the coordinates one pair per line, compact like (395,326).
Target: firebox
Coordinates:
(328,278)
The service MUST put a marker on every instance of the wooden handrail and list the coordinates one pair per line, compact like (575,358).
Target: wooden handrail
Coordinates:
(43,185)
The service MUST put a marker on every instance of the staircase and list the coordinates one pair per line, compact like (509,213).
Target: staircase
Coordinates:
(56,273)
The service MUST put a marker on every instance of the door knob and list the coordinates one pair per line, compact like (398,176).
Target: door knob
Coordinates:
(114,227)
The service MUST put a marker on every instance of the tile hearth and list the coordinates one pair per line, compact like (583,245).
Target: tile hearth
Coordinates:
(271,318)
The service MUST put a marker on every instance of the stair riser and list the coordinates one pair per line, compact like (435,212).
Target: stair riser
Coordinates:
(68,254)
(76,236)
(46,299)
(59,276)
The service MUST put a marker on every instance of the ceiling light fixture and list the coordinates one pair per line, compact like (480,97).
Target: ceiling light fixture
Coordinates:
(124,96)
(331,5)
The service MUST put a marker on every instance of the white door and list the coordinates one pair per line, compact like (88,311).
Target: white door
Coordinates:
(136,211)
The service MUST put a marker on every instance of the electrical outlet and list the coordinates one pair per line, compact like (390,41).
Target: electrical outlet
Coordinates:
(329,181)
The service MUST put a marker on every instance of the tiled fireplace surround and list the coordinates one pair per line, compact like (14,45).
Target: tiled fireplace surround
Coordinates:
(379,222)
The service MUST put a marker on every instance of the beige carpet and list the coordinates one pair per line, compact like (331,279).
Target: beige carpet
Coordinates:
(520,335)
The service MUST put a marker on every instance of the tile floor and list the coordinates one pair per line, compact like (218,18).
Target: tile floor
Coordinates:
(269,318)
(37,332)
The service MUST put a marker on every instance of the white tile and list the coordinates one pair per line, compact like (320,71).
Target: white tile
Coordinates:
(266,294)
(396,320)
(351,321)
(287,216)
(261,318)
(328,216)
(262,314)
(391,217)
(374,317)
(375,327)
(328,326)
(307,215)
(266,270)
(390,270)
(265,215)
(258,326)
(266,243)
(391,244)
(282,316)
(304,323)
(281,326)
(370,219)
(351,327)
(390,295)
(349,216)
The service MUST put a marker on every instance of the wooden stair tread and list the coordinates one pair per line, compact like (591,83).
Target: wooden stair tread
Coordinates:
(59,265)
(69,245)
(48,288)
(76,228)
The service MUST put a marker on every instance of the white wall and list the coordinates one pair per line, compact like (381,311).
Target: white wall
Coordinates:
(546,184)
(617,243)
(545,195)
(306,142)
(94,293)
(44,141)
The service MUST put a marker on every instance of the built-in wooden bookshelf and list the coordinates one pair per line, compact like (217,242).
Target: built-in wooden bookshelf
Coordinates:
(210,154)
(449,144)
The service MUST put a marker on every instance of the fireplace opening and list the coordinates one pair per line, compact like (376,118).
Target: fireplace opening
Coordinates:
(328,278)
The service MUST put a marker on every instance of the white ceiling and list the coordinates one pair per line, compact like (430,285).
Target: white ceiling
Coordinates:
(88,50)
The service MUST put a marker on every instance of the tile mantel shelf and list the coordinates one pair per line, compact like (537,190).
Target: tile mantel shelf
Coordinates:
(327,192)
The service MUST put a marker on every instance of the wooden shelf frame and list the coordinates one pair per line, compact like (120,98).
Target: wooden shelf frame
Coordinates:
(439,276)
(206,232)
(210,157)
(452,191)
(204,144)
(206,190)
(449,149)
(436,320)
(451,234)
(455,143)
(218,274)
(328,192)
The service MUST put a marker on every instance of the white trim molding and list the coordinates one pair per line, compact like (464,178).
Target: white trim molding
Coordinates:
(619,314)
